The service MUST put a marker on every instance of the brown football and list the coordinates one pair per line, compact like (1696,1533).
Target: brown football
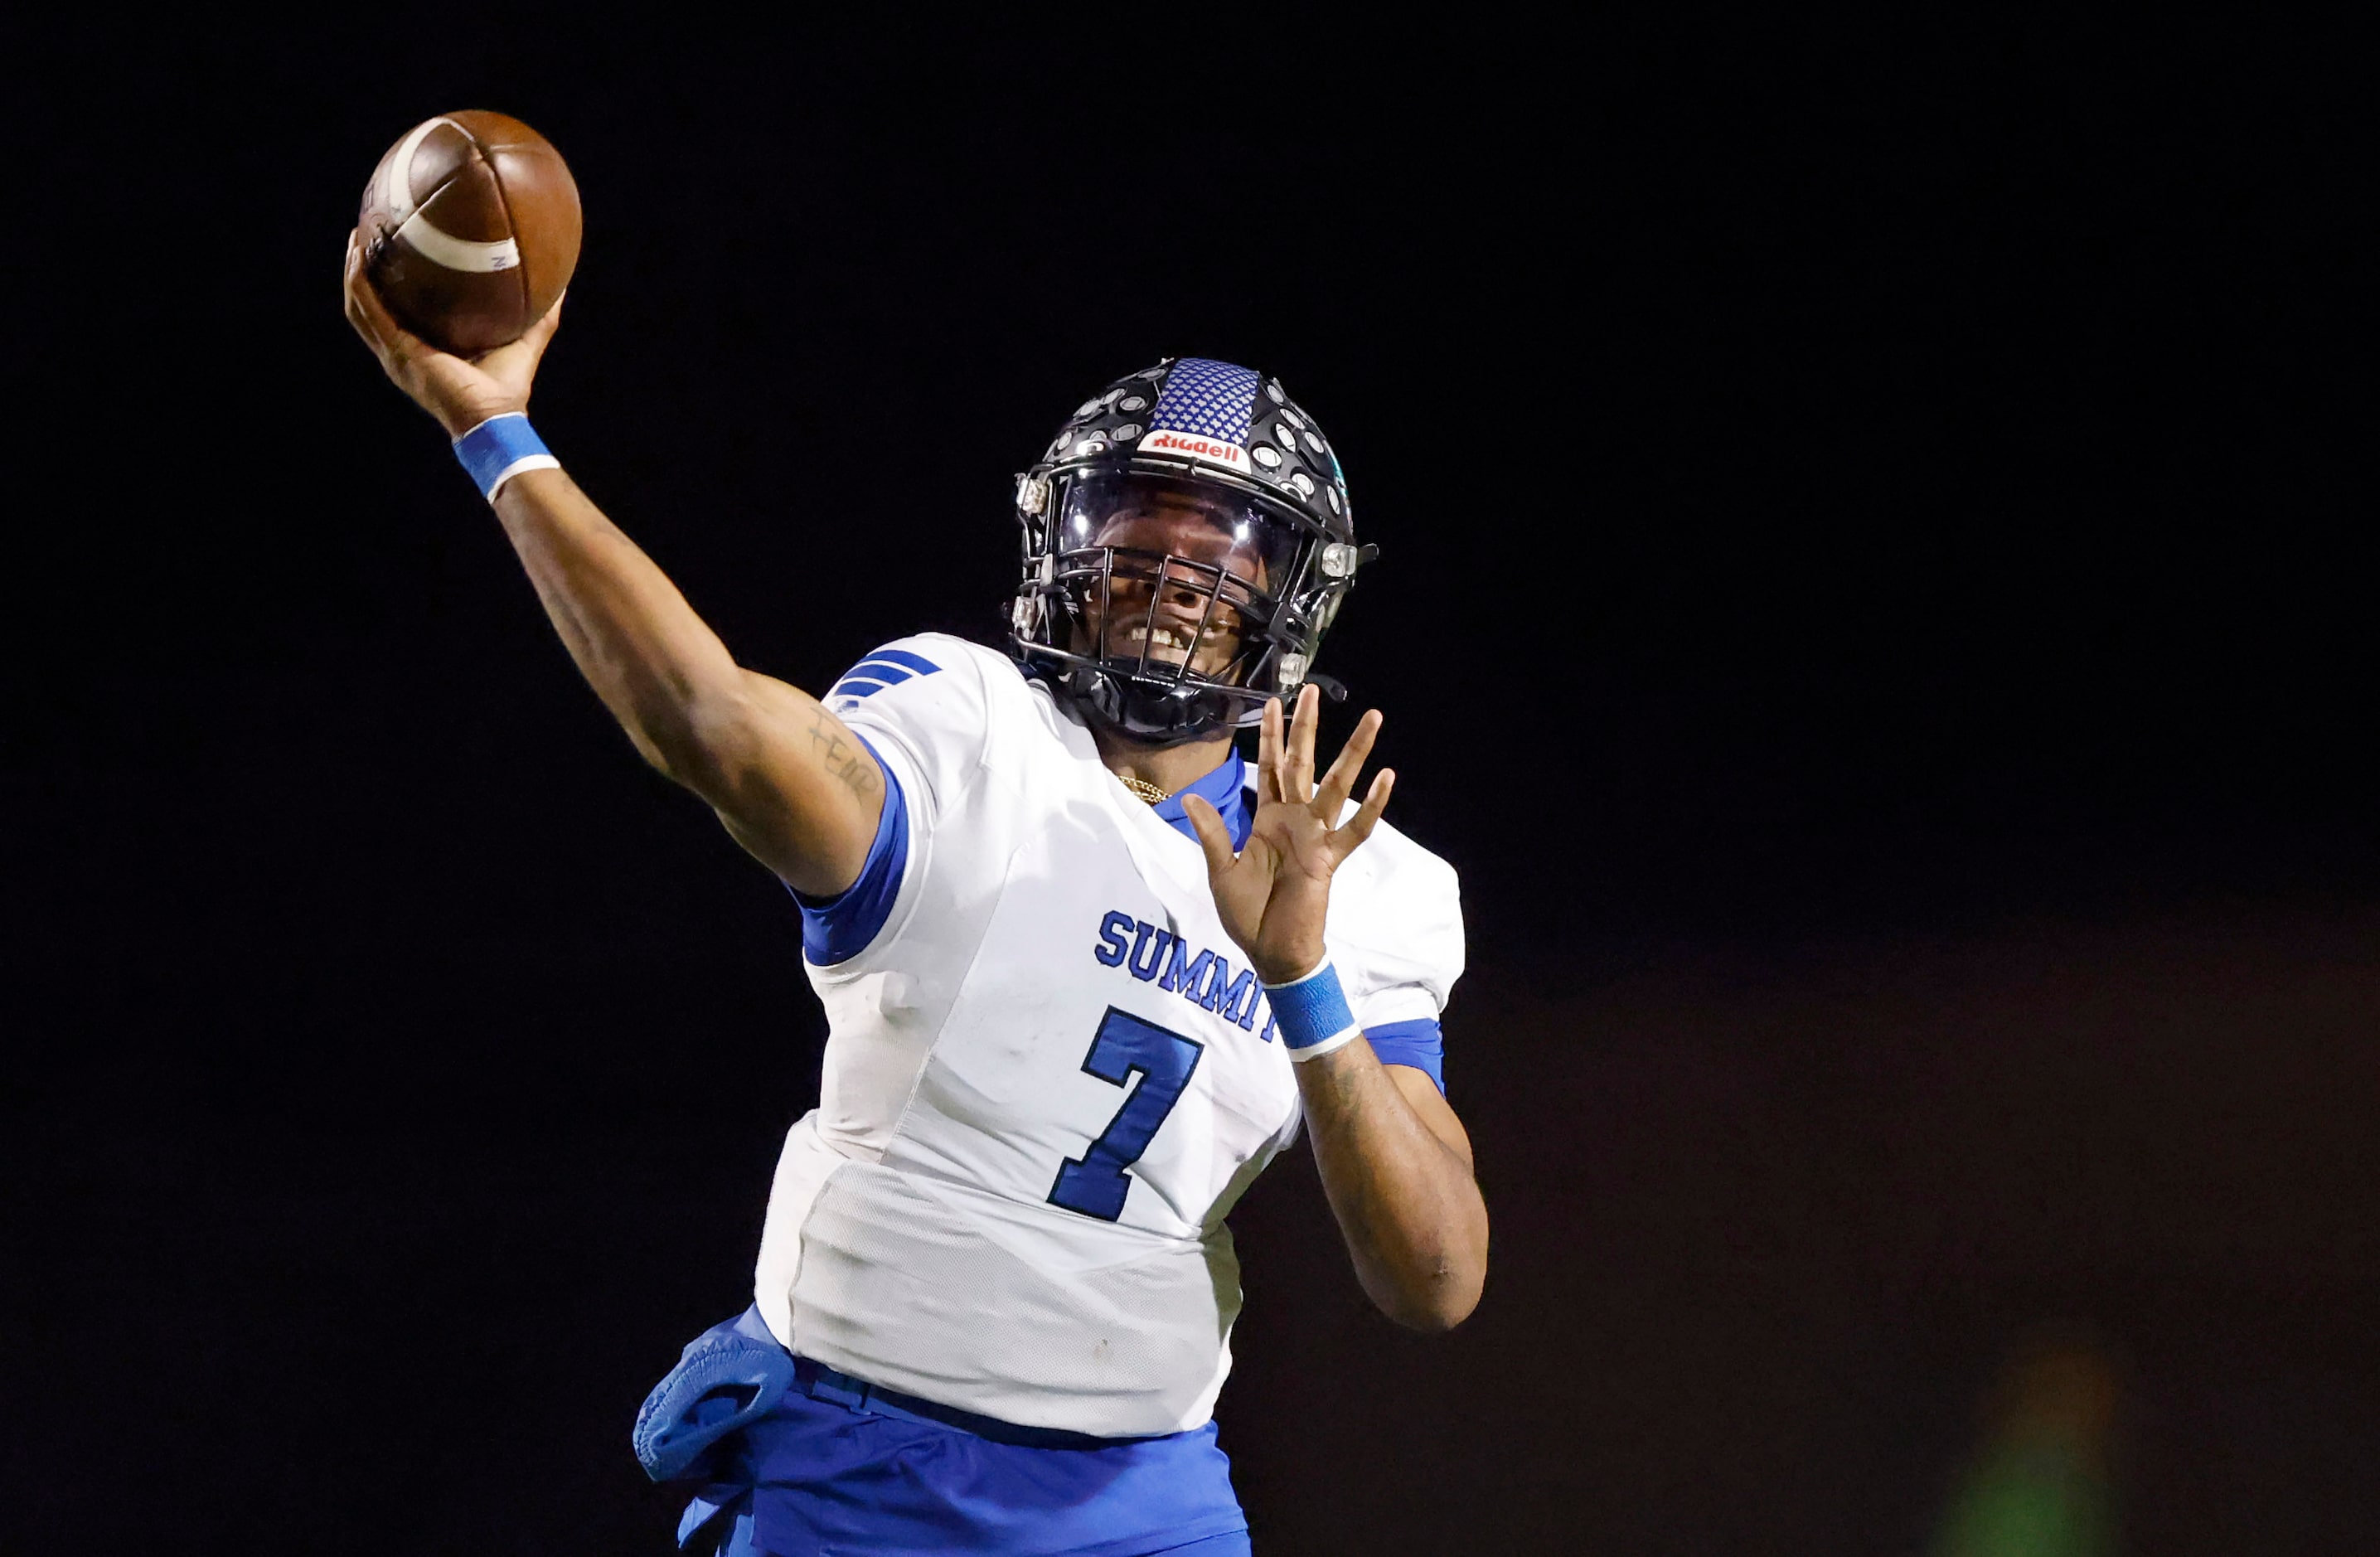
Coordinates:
(470,230)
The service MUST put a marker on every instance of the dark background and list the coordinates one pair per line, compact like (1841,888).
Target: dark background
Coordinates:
(1875,600)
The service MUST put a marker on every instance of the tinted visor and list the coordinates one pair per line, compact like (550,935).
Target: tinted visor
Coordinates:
(1169,575)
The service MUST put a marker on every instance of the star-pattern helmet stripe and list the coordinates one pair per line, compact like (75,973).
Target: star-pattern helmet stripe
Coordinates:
(1208,398)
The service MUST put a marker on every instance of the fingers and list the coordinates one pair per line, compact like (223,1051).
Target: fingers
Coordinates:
(370,316)
(1269,745)
(352,286)
(1340,782)
(1214,838)
(542,333)
(1297,761)
(1347,839)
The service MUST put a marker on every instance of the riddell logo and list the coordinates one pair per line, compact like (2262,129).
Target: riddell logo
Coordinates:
(1194,447)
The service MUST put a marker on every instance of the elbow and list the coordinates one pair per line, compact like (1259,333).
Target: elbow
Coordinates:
(1441,1298)
(1442,1314)
(1430,1281)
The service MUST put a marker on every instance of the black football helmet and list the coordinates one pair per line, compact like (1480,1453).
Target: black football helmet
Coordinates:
(1187,539)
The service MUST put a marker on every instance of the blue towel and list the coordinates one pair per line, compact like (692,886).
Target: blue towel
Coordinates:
(729,1375)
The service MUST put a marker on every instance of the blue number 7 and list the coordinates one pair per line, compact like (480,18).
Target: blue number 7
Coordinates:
(1094,1184)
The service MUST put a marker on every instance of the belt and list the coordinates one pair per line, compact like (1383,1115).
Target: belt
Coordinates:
(819,1381)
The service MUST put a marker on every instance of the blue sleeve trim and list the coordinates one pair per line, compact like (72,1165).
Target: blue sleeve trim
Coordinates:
(839,928)
(1418,1044)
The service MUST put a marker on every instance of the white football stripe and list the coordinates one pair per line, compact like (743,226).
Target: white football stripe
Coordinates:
(441,248)
(431,242)
(400,169)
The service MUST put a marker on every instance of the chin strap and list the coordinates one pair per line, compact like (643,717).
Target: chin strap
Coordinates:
(1105,704)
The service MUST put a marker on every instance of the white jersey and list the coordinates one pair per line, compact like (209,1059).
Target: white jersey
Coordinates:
(1050,1073)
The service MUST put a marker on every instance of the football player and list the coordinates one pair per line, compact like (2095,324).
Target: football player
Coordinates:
(1086,975)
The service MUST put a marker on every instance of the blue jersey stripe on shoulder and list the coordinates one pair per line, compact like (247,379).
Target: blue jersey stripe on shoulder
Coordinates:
(881,668)
(918,662)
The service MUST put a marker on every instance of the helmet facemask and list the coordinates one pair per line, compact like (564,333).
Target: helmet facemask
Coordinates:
(1160,600)
(1218,614)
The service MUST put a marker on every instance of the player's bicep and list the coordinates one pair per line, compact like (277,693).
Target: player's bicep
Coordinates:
(795,786)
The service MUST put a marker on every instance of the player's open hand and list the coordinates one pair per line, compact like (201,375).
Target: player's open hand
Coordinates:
(1274,894)
(461,393)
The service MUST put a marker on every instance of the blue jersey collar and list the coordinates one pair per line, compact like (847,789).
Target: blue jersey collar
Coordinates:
(1226,790)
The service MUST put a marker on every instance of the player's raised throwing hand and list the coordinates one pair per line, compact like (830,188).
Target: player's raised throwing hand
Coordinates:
(460,394)
(1275,893)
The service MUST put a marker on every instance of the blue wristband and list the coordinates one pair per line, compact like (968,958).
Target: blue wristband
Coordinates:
(499,449)
(1313,1014)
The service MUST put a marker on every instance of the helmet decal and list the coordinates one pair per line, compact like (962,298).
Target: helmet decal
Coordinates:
(1206,398)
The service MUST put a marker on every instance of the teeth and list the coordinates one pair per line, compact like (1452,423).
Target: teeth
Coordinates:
(1163,638)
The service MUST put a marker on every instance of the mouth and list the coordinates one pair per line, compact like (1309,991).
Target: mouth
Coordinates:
(1170,645)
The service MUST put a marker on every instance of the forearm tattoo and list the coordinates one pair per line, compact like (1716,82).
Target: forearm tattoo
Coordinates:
(840,753)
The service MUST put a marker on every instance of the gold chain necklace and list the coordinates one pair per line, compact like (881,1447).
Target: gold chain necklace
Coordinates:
(1146,791)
